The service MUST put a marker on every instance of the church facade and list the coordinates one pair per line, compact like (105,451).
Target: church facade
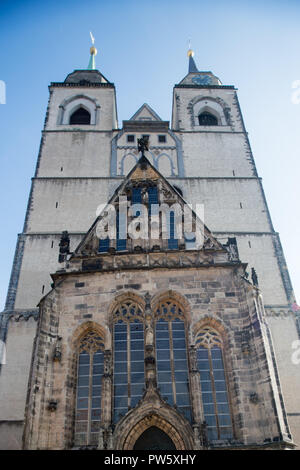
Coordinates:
(151,341)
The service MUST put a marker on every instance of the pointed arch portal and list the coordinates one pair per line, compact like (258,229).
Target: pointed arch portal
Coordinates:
(154,439)
(154,432)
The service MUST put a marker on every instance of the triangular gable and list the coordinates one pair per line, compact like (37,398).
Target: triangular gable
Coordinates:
(145,113)
(143,173)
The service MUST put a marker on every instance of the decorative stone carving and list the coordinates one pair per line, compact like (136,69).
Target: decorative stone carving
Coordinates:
(233,254)
(64,247)
(57,350)
(254,277)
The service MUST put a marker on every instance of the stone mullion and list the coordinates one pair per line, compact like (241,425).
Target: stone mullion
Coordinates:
(106,391)
(172,361)
(88,436)
(195,388)
(128,364)
(106,403)
(213,390)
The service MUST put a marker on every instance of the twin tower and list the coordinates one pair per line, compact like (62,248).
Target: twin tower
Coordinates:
(215,315)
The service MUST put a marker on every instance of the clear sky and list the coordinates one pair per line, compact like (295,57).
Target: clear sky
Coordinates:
(142,47)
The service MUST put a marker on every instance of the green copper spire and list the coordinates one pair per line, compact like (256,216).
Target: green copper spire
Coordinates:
(93,52)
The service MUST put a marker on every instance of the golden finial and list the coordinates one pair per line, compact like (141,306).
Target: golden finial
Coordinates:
(190,52)
(93,50)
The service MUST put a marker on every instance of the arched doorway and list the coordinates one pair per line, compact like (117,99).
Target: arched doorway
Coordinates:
(154,438)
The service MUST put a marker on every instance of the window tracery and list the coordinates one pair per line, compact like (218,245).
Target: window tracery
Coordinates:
(171,356)
(89,378)
(129,374)
(213,381)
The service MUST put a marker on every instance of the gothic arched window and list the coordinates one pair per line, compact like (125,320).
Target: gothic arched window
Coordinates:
(129,373)
(80,116)
(213,384)
(171,356)
(89,377)
(207,119)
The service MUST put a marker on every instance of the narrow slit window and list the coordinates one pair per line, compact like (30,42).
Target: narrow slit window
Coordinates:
(121,232)
(172,240)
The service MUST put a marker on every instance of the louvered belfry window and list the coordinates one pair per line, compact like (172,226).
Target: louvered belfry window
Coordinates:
(80,116)
(207,119)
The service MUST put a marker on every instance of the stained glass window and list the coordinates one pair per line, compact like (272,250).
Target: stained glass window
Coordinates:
(89,376)
(213,384)
(171,357)
(152,201)
(129,374)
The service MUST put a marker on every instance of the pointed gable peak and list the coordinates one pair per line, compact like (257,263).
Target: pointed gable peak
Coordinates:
(137,188)
(145,113)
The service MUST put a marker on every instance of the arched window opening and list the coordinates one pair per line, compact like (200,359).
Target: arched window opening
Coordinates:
(171,356)
(89,377)
(207,119)
(213,384)
(129,373)
(80,116)
(154,438)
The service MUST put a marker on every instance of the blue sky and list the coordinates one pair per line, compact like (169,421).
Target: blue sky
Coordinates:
(142,48)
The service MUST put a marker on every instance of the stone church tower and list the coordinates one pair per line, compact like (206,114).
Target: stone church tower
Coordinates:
(148,342)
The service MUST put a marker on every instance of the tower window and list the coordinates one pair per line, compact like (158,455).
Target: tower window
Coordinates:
(162,138)
(130,138)
(207,119)
(80,116)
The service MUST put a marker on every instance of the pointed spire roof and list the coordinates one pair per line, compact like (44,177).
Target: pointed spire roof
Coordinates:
(89,75)
(144,171)
(192,64)
(196,77)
